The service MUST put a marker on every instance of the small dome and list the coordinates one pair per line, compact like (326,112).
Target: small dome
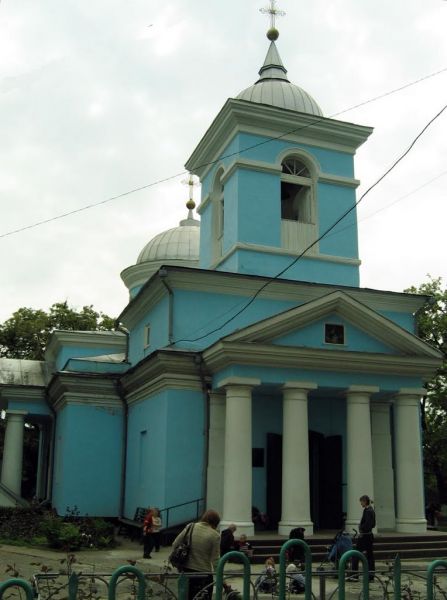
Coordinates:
(275,89)
(179,243)
(177,246)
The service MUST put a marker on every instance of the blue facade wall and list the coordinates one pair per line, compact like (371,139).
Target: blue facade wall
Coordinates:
(78,351)
(165,460)
(158,320)
(88,459)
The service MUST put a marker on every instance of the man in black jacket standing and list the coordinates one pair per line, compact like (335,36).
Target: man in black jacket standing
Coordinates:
(366,537)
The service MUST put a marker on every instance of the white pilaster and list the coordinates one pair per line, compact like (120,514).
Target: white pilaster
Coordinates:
(216,450)
(237,496)
(382,465)
(359,450)
(409,471)
(13,451)
(295,459)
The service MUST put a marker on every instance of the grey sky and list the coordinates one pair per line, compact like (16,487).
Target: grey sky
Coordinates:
(93,102)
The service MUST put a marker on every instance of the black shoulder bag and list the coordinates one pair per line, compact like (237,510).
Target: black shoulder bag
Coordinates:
(180,554)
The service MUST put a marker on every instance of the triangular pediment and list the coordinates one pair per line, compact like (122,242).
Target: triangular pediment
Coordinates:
(284,329)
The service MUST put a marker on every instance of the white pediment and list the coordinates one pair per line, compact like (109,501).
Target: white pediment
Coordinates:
(349,310)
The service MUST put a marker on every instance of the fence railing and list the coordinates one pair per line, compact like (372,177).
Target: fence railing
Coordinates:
(387,584)
(182,516)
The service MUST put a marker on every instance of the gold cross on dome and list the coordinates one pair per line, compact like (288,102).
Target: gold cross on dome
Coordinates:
(273,12)
(192,183)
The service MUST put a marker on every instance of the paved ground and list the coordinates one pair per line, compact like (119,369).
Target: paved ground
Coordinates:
(24,562)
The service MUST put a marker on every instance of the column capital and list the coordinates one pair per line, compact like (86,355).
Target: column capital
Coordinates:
(250,382)
(418,392)
(305,386)
(16,413)
(363,389)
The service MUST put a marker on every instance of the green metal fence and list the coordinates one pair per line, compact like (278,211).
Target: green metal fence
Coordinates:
(388,585)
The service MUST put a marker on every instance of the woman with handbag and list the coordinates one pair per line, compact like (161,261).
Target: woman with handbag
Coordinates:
(203,553)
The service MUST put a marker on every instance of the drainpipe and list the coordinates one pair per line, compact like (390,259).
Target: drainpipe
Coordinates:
(198,360)
(49,487)
(122,397)
(163,277)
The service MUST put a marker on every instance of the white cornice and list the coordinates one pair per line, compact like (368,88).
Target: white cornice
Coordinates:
(338,180)
(149,295)
(269,121)
(224,354)
(161,371)
(226,283)
(81,389)
(284,252)
(252,165)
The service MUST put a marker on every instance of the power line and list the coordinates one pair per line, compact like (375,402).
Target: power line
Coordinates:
(373,214)
(171,177)
(343,216)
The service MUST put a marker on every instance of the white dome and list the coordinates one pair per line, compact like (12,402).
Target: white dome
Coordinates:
(178,243)
(275,89)
(177,246)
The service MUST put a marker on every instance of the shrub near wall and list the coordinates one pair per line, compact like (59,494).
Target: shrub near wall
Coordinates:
(20,523)
(35,525)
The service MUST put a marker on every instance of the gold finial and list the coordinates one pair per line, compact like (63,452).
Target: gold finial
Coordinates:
(190,205)
(273,12)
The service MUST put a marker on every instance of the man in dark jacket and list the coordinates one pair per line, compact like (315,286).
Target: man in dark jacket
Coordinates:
(366,537)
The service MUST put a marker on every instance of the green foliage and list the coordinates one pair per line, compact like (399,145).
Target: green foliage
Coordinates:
(39,527)
(25,334)
(20,523)
(432,328)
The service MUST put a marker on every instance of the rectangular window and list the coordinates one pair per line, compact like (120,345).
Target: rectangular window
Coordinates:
(147,336)
(334,334)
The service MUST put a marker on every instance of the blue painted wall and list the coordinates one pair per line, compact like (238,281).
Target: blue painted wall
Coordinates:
(88,458)
(166,444)
(158,320)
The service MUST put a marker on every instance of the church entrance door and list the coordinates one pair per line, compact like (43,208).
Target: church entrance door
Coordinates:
(325,468)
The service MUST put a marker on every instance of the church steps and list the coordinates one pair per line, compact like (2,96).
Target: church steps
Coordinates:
(385,547)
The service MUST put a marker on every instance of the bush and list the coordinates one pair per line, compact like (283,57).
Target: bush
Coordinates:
(70,533)
(20,523)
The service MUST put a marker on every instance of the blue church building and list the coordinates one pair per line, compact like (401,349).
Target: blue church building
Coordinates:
(249,368)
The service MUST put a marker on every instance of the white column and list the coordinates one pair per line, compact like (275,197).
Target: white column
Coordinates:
(216,450)
(13,451)
(295,459)
(237,497)
(383,465)
(408,454)
(359,450)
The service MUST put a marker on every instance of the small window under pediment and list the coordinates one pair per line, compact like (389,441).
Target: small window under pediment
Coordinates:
(334,333)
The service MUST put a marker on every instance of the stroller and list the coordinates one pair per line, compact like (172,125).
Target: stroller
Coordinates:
(342,542)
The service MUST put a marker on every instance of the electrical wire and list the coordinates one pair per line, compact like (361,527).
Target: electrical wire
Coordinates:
(343,216)
(373,214)
(171,177)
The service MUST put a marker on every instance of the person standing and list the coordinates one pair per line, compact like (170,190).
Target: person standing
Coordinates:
(366,537)
(204,554)
(148,537)
(156,528)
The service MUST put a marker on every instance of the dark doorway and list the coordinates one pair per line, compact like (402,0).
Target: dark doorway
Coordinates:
(274,478)
(325,479)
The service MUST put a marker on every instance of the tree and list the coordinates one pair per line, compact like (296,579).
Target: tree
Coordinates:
(25,334)
(432,328)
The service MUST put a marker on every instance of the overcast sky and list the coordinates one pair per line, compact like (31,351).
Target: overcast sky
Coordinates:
(98,97)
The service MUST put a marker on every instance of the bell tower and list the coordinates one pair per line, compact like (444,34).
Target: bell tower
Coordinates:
(276,174)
